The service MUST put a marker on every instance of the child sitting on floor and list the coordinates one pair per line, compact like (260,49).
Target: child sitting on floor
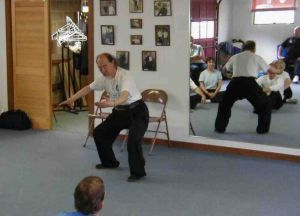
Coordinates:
(280,65)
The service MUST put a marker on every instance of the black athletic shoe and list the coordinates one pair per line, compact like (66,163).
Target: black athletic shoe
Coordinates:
(134,178)
(100,166)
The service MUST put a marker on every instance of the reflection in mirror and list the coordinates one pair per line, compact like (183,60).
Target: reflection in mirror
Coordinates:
(217,40)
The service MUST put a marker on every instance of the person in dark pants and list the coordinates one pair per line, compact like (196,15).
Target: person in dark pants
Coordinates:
(129,112)
(196,95)
(292,56)
(197,64)
(245,66)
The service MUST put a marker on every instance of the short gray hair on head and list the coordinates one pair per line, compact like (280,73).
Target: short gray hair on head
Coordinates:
(296,28)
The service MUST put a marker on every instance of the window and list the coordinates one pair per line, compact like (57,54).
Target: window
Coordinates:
(274,17)
(202,29)
(273,11)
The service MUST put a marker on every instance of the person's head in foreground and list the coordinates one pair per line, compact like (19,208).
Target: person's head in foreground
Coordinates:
(89,195)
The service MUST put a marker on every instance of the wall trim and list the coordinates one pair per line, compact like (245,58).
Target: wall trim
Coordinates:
(9,61)
(222,149)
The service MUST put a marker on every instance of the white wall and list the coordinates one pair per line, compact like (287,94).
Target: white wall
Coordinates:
(3,65)
(225,20)
(172,65)
(267,37)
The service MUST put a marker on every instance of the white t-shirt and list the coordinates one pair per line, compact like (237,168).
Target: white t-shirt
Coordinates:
(284,75)
(276,84)
(210,78)
(246,64)
(114,86)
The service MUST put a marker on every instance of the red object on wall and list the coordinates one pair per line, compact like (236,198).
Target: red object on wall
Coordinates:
(265,5)
(205,10)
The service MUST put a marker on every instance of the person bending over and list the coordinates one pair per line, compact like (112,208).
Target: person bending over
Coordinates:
(88,197)
(273,86)
(129,112)
(211,81)
(245,66)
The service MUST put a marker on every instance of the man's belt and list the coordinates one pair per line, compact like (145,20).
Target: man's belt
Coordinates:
(128,106)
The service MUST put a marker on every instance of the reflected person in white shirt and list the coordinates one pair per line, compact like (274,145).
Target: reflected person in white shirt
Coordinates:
(245,67)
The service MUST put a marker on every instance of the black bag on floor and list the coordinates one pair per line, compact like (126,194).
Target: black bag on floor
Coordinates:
(15,119)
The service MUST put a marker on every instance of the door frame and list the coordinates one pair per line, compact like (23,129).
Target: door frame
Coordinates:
(9,54)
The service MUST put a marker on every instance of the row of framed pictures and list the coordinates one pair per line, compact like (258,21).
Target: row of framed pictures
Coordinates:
(162,36)
(161,7)
(148,60)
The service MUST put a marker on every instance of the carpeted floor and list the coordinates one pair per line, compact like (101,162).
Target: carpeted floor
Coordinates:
(284,128)
(40,169)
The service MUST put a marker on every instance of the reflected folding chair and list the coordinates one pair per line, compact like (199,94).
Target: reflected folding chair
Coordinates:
(154,97)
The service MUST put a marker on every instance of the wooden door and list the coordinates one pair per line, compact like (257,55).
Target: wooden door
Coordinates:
(31,60)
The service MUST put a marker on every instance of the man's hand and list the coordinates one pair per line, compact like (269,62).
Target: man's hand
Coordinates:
(211,95)
(267,90)
(68,103)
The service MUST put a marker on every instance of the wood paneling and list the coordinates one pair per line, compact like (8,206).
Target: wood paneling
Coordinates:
(31,60)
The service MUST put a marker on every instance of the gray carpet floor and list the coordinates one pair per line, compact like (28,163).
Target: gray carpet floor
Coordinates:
(284,129)
(40,169)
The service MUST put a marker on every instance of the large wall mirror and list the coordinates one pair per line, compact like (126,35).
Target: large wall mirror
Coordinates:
(234,20)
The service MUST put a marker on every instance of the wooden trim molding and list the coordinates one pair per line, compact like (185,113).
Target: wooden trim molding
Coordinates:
(223,150)
(90,99)
(9,54)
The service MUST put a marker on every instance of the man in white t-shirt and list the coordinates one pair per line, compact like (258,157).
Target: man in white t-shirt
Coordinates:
(245,66)
(129,112)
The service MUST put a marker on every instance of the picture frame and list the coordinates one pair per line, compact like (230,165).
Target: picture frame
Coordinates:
(148,60)
(162,35)
(136,39)
(162,8)
(136,23)
(123,59)
(135,6)
(107,35)
(108,8)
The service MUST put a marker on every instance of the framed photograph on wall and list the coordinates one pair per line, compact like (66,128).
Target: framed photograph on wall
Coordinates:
(123,59)
(108,8)
(162,8)
(149,60)
(107,35)
(135,6)
(136,39)
(162,35)
(136,23)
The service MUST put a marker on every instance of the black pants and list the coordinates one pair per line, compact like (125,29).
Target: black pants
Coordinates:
(240,88)
(136,120)
(288,93)
(195,71)
(275,100)
(195,99)
(292,67)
